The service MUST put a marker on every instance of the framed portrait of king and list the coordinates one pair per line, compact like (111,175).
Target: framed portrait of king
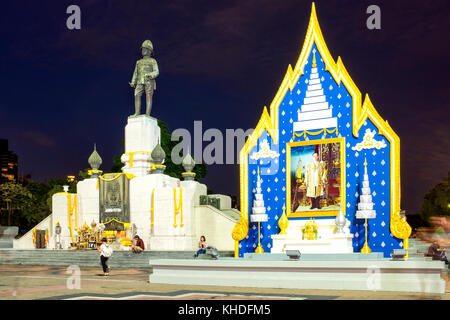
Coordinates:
(315,178)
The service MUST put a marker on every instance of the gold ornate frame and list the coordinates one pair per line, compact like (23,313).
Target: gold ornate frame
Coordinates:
(342,190)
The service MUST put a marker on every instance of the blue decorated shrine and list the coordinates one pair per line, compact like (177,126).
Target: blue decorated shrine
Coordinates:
(311,149)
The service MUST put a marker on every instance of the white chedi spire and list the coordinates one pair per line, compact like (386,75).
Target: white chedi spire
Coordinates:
(365,205)
(258,210)
(315,113)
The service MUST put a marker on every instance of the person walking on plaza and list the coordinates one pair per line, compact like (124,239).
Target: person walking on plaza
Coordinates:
(201,247)
(105,253)
(139,246)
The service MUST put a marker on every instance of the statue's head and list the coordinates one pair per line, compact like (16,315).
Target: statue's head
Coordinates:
(147,48)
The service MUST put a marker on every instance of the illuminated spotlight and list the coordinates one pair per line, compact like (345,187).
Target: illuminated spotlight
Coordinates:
(70,179)
(399,254)
(293,254)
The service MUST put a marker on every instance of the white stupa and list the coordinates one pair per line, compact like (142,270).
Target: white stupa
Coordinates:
(365,205)
(315,113)
(258,210)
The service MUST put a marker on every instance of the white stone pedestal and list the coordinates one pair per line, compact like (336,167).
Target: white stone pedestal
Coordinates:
(142,134)
(169,231)
(336,244)
(88,202)
(327,242)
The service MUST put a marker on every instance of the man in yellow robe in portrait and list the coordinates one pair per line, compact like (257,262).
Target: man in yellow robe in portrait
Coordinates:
(315,178)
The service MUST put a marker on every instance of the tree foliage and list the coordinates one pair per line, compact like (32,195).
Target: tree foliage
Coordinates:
(436,201)
(37,208)
(84,173)
(13,197)
(29,203)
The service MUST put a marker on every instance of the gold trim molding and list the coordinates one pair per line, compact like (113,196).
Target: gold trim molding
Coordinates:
(324,213)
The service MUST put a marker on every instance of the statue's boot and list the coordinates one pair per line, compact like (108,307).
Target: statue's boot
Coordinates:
(149,108)
(149,103)
(137,105)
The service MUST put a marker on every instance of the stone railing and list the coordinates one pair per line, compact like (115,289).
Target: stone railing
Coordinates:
(210,201)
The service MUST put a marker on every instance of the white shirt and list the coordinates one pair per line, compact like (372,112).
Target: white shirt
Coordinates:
(102,248)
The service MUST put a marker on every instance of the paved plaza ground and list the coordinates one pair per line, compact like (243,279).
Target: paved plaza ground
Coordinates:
(19,282)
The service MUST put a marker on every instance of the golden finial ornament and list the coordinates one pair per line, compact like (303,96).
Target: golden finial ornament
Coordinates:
(259,249)
(314,64)
(283,222)
(366,248)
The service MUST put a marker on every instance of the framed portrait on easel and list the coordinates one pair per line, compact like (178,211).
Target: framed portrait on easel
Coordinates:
(315,177)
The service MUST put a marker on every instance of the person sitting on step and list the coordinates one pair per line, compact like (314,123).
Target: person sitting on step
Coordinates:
(201,247)
(138,245)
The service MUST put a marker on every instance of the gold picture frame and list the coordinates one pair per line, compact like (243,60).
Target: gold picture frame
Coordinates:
(323,213)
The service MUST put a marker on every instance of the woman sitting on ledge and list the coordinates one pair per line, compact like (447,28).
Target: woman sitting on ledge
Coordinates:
(201,247)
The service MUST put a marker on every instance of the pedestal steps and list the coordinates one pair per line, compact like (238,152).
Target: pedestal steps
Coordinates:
(387,275)
(418,246)
(90,258)
(6,243)
(317,256)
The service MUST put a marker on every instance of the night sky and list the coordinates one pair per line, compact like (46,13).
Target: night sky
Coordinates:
(220,62)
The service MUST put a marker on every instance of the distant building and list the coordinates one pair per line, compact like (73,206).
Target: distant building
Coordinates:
(9,164)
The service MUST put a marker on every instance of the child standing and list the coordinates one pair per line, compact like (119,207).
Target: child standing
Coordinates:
(105,253)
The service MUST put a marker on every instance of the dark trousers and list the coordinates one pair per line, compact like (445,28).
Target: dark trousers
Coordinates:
(440,256)
(315,203)
(201,251)
(103,262)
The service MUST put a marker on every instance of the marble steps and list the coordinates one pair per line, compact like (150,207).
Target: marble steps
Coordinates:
(87,258)
(418,246)
(402,276)
(232,214)
(6,243)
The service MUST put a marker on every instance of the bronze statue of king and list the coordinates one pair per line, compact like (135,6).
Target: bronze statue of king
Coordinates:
(144,75)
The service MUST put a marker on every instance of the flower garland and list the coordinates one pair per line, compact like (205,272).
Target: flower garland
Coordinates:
(152,208)
(179,208)
(324,131)
(118,174)
(71,209)
(131,155)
